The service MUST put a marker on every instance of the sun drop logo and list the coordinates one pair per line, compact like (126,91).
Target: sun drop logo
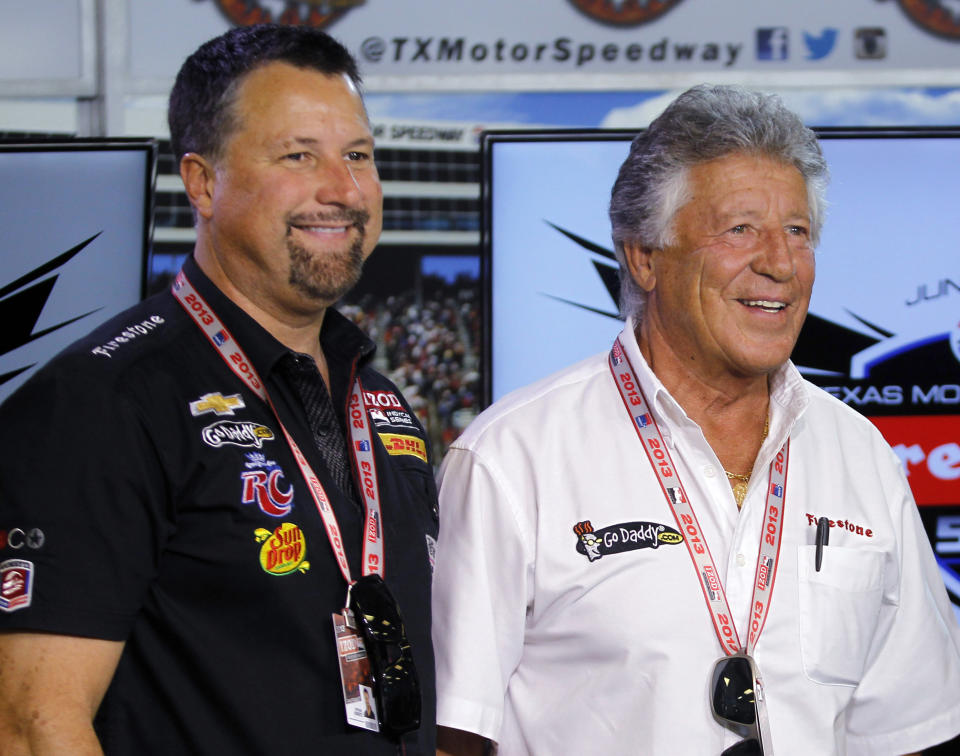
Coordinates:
(284,550)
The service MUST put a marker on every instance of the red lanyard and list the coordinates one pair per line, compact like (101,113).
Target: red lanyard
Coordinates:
(359,429)
(649,433)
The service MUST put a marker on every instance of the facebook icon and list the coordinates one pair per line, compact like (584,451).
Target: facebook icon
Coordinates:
(772,43)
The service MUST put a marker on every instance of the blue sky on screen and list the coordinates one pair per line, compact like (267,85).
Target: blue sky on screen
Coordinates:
(448,267)
(818,106)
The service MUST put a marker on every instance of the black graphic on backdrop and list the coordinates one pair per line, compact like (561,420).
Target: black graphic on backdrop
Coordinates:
(20,311)
(915,378)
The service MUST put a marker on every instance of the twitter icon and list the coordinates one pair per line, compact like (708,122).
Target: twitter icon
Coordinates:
(820,46)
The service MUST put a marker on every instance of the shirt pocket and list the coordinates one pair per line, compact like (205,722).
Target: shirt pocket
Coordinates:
(839,610)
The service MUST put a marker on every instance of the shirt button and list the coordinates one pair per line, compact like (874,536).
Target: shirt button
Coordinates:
(709,471)
(741,560)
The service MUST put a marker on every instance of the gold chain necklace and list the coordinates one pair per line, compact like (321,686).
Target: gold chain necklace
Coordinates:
(742,481)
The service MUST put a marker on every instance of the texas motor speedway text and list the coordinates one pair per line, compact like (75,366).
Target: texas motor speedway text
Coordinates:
(460,50)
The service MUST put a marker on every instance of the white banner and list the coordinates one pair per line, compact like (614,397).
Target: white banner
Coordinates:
(48,48)
(588,44)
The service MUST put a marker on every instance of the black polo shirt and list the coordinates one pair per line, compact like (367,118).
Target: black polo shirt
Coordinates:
(173,517)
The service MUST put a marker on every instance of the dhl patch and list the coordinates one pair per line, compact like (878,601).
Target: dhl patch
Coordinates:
(404,445)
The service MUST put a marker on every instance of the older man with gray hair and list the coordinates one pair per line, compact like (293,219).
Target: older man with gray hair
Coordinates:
(679,545)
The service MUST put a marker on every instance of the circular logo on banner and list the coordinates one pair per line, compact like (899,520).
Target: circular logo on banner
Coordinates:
(938,17)
(624,12)
(318,13)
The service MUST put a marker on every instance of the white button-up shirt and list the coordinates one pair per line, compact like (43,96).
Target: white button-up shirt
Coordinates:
(568,617)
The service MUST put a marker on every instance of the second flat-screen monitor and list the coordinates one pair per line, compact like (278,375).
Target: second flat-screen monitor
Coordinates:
(888,265)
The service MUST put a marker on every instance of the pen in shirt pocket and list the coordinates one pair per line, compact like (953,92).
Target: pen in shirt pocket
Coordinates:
(823,539)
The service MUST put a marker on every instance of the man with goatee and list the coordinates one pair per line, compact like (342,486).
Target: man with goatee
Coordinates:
(204,470)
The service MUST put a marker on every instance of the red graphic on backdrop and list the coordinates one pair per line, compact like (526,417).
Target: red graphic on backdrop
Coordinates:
(929,447)
(939,17)
(317,13)
(624,12)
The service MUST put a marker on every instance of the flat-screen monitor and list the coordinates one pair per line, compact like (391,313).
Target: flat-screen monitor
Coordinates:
(883,331)
(76,217)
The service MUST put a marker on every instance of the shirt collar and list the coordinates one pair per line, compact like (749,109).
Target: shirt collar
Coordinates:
(789,399)
(661,403)
(342,341)
(788,395)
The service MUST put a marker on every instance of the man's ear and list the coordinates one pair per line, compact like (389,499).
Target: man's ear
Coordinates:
(640,264)
(198,179)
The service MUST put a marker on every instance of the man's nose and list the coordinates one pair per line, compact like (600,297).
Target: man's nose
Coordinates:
(337,184)
(776,254)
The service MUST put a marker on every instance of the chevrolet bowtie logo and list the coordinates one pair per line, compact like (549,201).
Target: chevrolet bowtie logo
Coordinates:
(216,403)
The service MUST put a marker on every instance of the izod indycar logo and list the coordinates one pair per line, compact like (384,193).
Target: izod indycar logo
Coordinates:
(939,17)
(625,536)
(318,13)
(624,12)
(284,550)
(385,408)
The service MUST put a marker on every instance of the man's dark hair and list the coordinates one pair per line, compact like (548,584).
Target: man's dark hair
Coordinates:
(200,113)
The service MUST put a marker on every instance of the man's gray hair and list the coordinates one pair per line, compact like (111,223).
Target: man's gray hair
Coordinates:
(704,123)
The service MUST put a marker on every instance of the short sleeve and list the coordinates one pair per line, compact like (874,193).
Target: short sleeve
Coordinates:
(481,590)
(80,472)
(913,673)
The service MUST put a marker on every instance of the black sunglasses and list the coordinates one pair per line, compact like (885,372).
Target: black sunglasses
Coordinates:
(737,698)
(391,658)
